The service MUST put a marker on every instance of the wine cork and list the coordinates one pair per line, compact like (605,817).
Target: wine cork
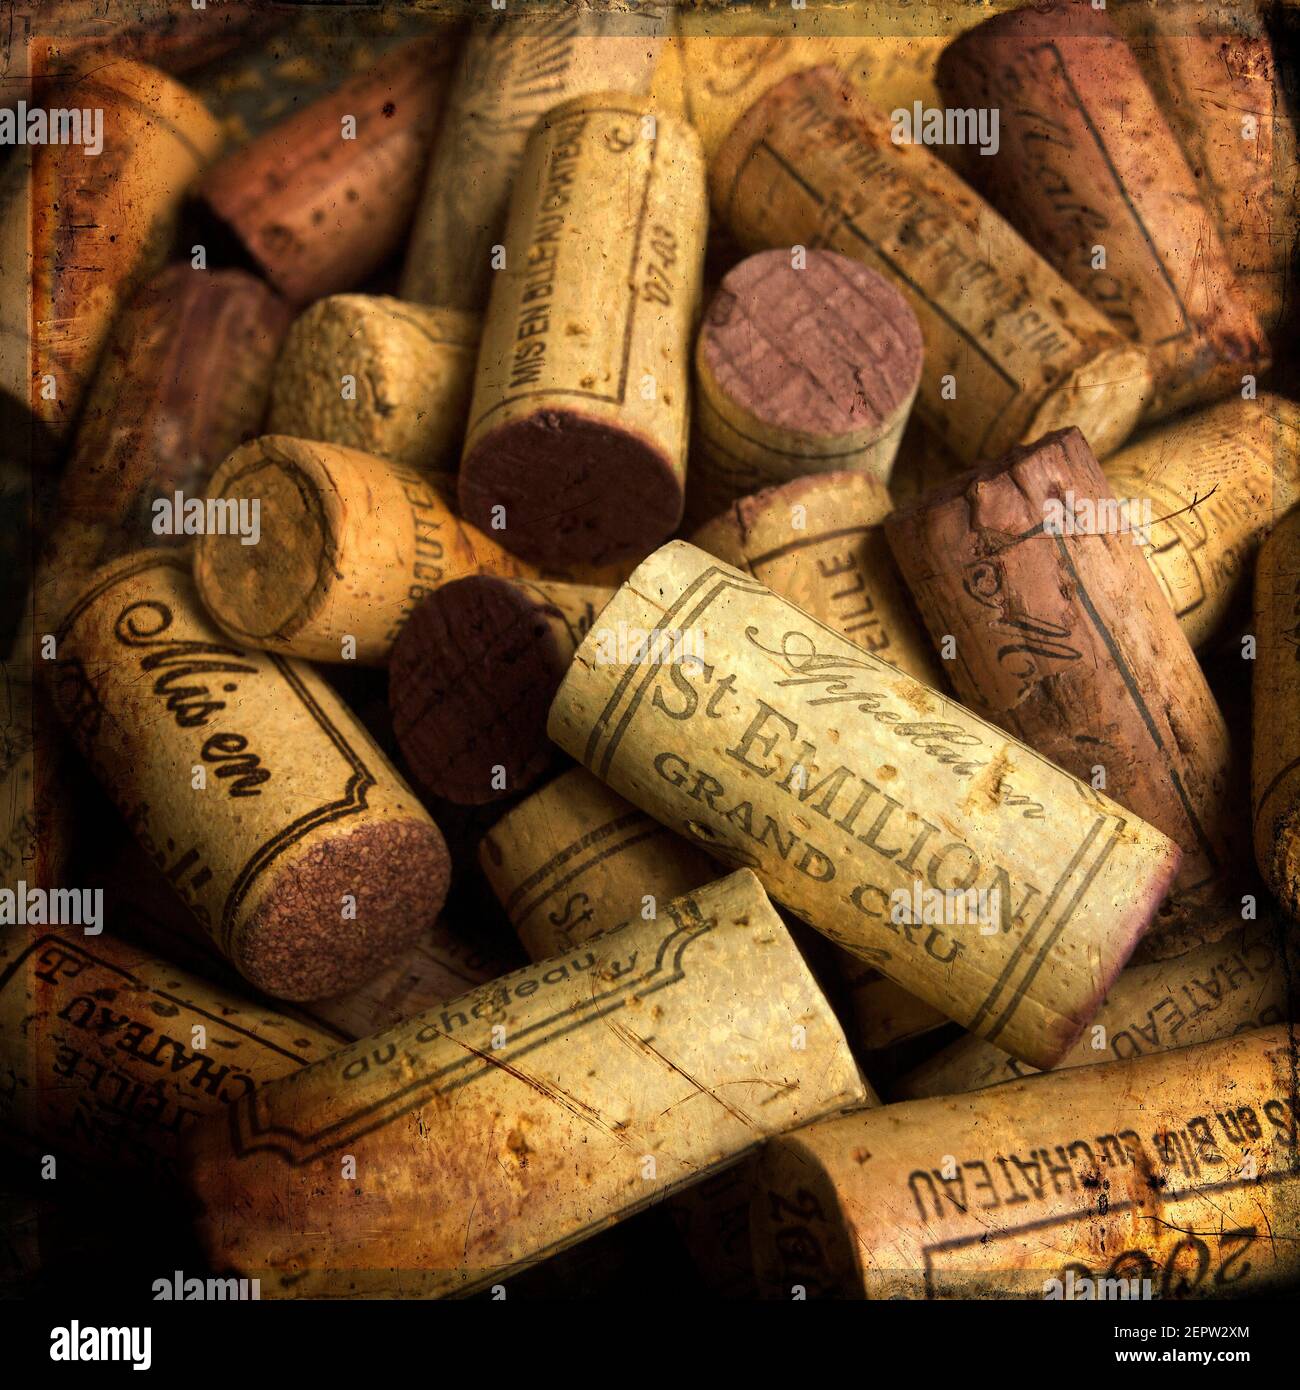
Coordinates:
(1175,1171)
(1214,73)
(574,859)
(1275,766)
(1230,986)
(818,542)
(1011,350)
(510,1105)
(473,675)
(275,817)
(578,422)
(375,374)
(348,546)
(799,368)
(183,383)
(508,76)
(854,792)
(1121,218)
(1215,482)
(439,967)
(99,223)
(110,1054)
(324,197)
(712,78)
(1060,635)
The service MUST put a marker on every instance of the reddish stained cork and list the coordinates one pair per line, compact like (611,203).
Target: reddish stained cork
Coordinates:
(297,945)
(318,212)
(472,677)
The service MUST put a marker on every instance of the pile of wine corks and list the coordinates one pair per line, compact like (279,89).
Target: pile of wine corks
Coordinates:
(618,634)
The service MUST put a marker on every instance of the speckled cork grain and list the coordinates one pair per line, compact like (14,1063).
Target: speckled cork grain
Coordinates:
(276,819)
(541,1109)
(1063,638)
(841,781)
(1175,1172)
(576,447)
(1085,162)
(318,212)
(800,367)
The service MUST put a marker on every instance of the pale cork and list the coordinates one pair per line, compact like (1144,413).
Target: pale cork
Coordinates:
(1072,175)
(1060,634)
(1275,766)
(350,544)
(100,224)
(1178,1168)
(104,1069)
(542,1109)
(376,374)
(1022,350)
(578,423)
(1240,982)
(302,854)
(774,749)
(802,366)
(818,541)
(506,78)
(1215,482)
(473,675)
(1211,66)
(574,859)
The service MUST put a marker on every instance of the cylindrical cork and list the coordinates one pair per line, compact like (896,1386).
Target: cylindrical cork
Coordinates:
(348,545)
(441,966)
(322,199)
(100,223)
(1241,982)
(818,542)
(574,859)
(275,817)
(867,802)
(1034,577)
(1011,350)
(1213,71)
(1120,217)
(712,75)
(184,382)
(111,1054)
(473,675)
(804,364)
(378,375)
(510,1105)
(1214,482)
(508,76)
(1275,766)
(1176,1172)
(578,424)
